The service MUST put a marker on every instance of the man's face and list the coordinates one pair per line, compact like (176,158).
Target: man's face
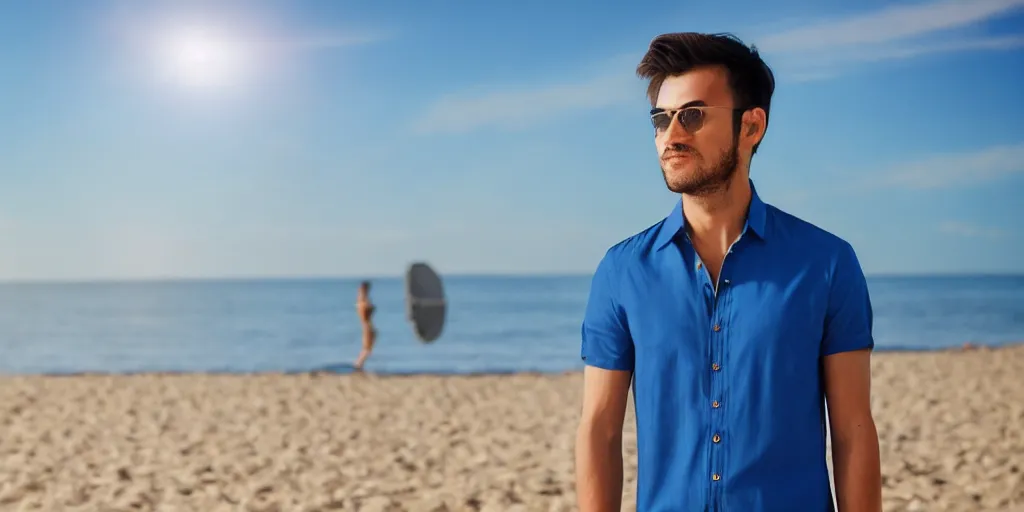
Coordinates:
(702,159)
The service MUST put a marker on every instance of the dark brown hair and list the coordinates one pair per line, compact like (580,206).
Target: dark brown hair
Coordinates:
(751,80)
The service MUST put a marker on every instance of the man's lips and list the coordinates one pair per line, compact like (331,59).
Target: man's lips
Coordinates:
(676,156)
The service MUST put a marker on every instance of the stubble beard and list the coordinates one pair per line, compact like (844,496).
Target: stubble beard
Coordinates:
(706,180)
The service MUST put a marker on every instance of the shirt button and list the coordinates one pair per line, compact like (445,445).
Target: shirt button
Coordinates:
(717,328)
(715,367)
(716,477)
(715,404)
(716,438)
(699,265)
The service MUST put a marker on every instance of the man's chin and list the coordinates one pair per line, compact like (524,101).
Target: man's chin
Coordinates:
(678,179)
(687,185)
(679,187)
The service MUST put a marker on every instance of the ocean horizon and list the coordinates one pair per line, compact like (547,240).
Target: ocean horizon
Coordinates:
(496,323)
(355,278)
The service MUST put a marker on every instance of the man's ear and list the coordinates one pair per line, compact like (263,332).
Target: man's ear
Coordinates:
(756,118)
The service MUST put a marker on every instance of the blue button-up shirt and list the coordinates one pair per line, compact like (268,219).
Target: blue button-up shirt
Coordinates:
(727,384)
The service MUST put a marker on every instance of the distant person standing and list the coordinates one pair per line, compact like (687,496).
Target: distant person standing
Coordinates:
(365,309)
(732,320)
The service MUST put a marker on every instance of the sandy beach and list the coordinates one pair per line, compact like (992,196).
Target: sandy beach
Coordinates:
(951,427)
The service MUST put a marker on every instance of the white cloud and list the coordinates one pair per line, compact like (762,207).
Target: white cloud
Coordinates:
(520,106)
(886,25)
(818,51)
(968,230)
(824,50)
(879,53)
(824,65)
(813,67)
(957,168)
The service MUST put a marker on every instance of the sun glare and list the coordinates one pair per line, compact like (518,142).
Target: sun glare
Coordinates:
(202,58)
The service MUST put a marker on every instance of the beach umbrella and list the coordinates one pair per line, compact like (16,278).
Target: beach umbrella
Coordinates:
(424,301)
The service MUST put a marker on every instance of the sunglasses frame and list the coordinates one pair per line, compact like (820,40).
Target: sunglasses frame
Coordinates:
(674,115)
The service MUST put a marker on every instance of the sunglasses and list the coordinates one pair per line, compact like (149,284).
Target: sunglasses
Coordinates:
(690,118)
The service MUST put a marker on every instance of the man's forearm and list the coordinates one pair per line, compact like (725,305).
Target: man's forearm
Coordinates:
(857,469)
(598,471)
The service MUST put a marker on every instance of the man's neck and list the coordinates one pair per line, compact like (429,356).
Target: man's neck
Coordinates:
(716,220)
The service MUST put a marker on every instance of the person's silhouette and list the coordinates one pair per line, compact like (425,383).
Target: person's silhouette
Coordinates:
(365,309)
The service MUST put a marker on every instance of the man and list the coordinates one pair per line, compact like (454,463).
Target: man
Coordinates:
(733,320)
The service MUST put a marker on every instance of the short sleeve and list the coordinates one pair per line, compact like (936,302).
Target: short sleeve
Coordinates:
(848,320)
(606,342)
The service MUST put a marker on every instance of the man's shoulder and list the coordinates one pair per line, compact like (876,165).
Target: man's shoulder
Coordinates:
(807,235)
(635,247)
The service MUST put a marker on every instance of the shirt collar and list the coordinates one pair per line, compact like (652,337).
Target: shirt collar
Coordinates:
(675,223)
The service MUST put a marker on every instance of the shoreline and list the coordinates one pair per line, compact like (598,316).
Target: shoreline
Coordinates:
(327,371)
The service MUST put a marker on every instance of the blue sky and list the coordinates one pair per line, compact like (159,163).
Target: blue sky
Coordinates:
(350,138)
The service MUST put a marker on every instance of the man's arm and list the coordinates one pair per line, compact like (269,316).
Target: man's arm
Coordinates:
(846,350)
(855,459)
(607,349)
(599,440)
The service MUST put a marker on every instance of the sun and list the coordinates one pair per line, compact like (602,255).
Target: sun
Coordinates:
(202,58)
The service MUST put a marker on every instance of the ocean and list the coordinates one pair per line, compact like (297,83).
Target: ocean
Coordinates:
(494,324)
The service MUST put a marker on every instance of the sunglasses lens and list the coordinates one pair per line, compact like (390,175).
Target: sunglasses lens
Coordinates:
(691,119)
(661,120)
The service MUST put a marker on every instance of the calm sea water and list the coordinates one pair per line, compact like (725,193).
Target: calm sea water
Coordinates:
(495,324)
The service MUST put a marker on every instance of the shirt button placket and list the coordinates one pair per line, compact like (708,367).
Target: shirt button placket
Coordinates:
(716,456)
(717,345)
